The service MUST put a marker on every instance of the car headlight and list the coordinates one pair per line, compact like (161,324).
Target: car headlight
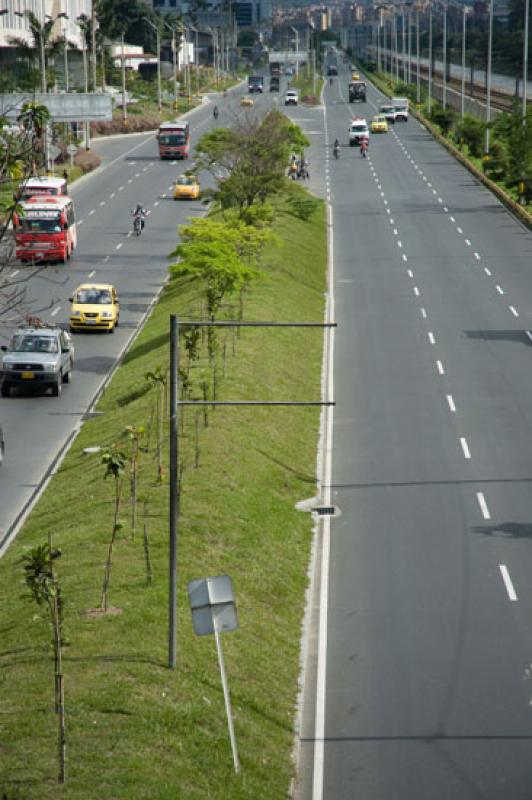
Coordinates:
(106,314)
(51,367)
(75,313)
(7,366)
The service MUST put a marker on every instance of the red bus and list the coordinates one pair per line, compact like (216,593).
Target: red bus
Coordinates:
(45,230)
(43,186)
(174,140)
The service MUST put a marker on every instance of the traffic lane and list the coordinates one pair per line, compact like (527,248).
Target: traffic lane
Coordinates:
(412,655)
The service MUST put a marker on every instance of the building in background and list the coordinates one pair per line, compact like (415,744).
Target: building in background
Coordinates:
(14,26)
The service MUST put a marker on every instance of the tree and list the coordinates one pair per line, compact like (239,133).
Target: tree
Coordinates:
(42,42)
(157,378)
(21,152)
(114,461)
(45,590)
(135,435)
(249,161)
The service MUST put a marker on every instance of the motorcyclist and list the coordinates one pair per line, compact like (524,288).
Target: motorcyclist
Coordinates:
(215,112)
(363,147)
(140,213)
(336,148)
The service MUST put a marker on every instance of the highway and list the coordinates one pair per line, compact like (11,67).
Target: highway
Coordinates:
(38,429)
(417,678)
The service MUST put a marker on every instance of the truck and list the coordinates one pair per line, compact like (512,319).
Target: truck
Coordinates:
(173,139)
(357,91)
(274,83)
(275,69)
(255,84)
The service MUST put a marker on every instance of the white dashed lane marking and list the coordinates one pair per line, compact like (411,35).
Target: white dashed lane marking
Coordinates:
(483,506)
(450,403)
(508,585)
(514,311)
(465,447)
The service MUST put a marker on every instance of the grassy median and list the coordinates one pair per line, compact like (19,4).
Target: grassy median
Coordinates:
(134,728)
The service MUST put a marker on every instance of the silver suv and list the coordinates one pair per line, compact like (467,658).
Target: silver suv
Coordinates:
(38,355)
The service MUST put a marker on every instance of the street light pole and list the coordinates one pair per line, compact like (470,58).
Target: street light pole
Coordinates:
(297,49)
(444,44)
(124,104)
(93,43)
(174,59)
(418,73)
(488,79)
(429,105)
(158,33)
(464,19)
(525,58)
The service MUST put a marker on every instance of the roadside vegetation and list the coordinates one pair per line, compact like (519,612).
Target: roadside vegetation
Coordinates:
(131,727)
(509,163)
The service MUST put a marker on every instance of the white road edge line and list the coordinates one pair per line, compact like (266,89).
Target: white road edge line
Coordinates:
(319,725)
(508,585)
(465,447)
(483,506)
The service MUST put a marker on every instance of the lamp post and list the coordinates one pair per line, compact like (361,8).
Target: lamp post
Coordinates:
(525,58)
(196,57)
(123,74)
(418,73)
(93,43)
(174,59)
(444,58)
(429,104)
(405,76)
(158,32)
(297,49)
(488,80)
(464,22)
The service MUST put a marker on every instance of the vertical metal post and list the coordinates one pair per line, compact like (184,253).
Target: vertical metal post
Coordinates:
(396,47)
(444,44)
(525,58)
(488,79)
(227,699)
(65,56)
(409,47)
(174,491)
(174,58)
(86,125)
(123,60)
(159,93)
(43,55)
(418,73)
(93,43)
(405,74)
(430,60)
(464,18)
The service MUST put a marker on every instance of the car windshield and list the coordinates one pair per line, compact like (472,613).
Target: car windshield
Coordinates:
(34,343)
(359,128)
(387,109)
(186,181)
(93,297)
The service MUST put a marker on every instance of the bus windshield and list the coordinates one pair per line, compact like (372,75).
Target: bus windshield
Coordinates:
(40,225)
(172,138)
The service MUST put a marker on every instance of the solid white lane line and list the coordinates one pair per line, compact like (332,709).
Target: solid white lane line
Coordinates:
(410,273)
(468,243)
(465,447)
(514,311)
(508,585)
(90,275)
(501,291)
(416,291)
(54,312)
(15,272)
(424,313)
(119,245)
(451,404)
(488,273)
(432,340)
(483,506)
(91,212)
(440,368)
(477,256)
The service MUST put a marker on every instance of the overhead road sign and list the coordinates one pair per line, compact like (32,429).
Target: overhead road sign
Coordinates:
(64,107)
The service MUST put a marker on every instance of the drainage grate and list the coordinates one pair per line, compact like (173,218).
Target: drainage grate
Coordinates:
(326,511)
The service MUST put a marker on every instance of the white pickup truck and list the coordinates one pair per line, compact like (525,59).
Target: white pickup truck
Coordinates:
(400,105)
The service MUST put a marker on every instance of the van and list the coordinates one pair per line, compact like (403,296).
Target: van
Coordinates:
(400,105)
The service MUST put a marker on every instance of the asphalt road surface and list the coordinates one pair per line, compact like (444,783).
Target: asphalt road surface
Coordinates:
(423,687)
(37,429)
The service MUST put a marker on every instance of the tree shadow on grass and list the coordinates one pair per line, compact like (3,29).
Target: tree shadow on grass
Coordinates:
(302,476)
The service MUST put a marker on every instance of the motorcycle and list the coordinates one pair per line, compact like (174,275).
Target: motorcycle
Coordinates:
(137,225)
(336,152)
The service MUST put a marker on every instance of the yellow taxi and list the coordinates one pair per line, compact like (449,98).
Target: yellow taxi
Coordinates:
(355,76)
(379,124)
(95,306)
(186,187)
(247,102)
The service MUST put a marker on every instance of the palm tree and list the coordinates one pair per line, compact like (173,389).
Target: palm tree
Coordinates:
(42,44)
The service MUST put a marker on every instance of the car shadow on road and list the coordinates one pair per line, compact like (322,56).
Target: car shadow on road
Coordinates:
(507,530)
(96,365)
(519,337)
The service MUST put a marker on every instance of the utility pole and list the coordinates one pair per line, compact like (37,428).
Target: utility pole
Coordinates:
(158,34)
(429,104)
(525,58)
(464,19)
(93,43)
(124,104)
(174,59)
(418,73)
(488,79)
(444,44)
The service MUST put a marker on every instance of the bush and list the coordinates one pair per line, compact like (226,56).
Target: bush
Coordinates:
(87,160)
(496,165)
(443,118)
(471,131)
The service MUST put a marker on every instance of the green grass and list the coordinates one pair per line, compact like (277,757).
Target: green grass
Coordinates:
(305,84)
(134,728)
